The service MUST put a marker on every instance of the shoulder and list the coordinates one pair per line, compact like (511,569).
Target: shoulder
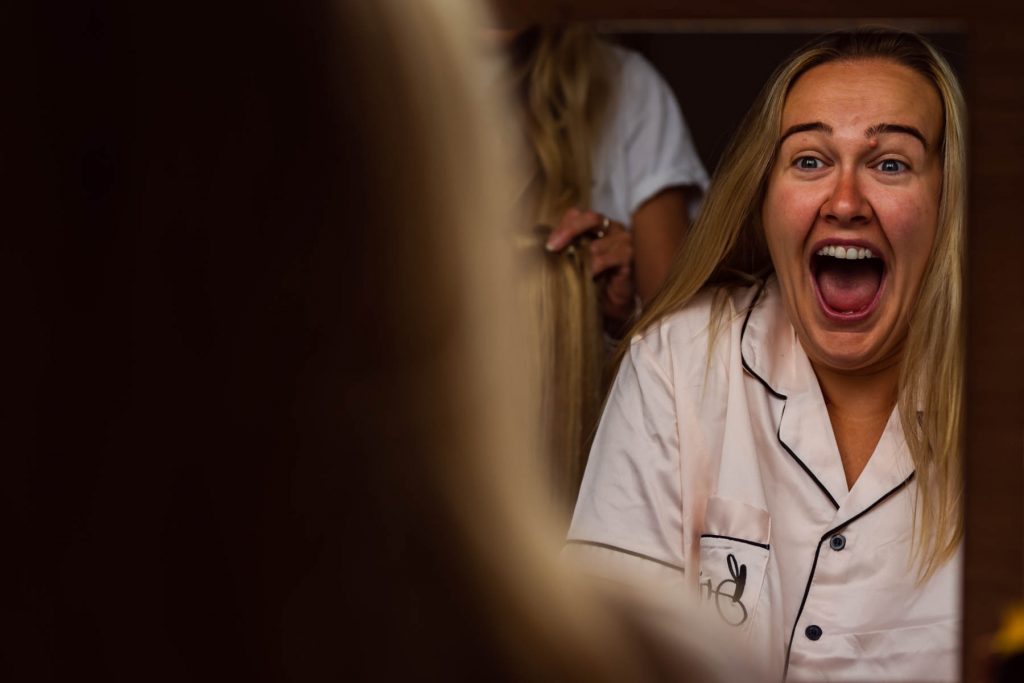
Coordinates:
(640,90)
(681,329)
(633,71)
(687,342)
(646,143)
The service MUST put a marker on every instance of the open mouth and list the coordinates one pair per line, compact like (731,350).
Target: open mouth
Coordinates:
(848,280)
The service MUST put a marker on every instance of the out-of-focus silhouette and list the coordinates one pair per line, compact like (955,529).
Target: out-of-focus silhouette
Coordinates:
(271,418)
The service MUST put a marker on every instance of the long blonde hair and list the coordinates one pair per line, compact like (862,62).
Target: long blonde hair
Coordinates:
(564,329)
(726,247)
(562,77)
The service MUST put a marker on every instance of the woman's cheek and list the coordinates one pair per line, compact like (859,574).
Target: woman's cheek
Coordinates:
(910,227)
(796,217)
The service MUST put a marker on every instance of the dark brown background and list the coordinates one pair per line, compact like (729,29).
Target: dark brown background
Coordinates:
(991,39)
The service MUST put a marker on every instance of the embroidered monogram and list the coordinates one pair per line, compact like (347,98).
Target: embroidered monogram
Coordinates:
(728,593)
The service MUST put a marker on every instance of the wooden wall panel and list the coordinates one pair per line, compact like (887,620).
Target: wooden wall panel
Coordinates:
(994,573)
(599,10)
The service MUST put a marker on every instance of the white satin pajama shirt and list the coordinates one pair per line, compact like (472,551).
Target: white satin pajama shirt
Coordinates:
(726,474)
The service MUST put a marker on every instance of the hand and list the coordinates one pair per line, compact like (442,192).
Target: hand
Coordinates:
(611,260)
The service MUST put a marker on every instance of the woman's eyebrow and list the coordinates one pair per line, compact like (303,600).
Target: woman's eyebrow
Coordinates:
(880,128)
(804,127)
(872,131)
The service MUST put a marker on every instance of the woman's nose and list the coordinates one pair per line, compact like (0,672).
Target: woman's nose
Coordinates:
(847,204)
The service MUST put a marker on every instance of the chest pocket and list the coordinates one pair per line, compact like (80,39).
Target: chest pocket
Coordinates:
(734,551)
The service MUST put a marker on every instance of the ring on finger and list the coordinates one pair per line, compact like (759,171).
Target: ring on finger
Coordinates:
(605,224)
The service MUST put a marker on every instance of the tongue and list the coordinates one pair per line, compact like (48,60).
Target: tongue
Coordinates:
(849,286)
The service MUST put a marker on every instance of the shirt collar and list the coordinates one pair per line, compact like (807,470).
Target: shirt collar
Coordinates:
(771,352)
(769,346)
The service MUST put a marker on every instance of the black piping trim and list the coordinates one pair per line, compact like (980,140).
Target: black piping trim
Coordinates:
(783,397)
(756,376)
(608,546)
(799,612)
(817,552)
(869,508)
(778,435)
(743,333)
(739,540)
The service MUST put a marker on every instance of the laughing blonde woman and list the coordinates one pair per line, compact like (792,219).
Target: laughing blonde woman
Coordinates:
(784,432)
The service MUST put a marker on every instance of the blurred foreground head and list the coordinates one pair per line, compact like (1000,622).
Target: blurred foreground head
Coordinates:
(276,408)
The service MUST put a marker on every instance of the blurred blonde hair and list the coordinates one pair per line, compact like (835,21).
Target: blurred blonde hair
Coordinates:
(449,422)
(726,248)
(562,76)
(564,328)
(289,283)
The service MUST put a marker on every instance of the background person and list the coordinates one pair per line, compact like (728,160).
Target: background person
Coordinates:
(614,178)
(607,141)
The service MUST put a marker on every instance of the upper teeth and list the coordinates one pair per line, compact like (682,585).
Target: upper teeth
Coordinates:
(845,252)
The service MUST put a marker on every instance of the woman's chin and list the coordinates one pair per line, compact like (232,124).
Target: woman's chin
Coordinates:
(848,352)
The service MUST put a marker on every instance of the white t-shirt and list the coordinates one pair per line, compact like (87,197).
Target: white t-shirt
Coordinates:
(645,146)
(725,478)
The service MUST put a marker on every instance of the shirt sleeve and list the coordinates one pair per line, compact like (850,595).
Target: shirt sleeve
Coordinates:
(659,150)
(630,500)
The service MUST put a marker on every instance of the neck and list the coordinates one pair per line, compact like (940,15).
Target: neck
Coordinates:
(863,395)
(859,407)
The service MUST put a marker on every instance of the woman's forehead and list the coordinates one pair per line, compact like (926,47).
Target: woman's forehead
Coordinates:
(864,93)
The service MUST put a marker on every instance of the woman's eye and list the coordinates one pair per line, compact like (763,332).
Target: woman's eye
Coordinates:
(809,163)
(891,166)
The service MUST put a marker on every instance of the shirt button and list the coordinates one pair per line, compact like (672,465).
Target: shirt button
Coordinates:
(837,542)
(813,632)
